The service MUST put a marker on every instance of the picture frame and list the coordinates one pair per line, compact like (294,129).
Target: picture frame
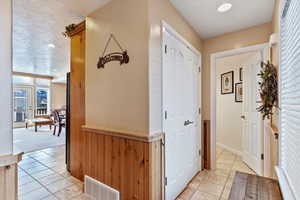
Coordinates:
(227,83)
(239,92)
(241,74)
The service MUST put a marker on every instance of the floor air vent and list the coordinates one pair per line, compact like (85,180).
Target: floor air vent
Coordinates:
(99,191)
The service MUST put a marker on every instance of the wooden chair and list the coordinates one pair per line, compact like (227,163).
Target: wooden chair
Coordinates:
(58,122)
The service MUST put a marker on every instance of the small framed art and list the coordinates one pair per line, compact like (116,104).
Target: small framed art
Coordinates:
(239,92)
(227,83)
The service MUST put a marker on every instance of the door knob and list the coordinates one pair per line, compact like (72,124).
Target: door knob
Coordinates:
(243,117)
(188,122)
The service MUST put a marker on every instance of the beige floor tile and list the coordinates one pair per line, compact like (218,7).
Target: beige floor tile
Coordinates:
(22,173)
(210,188)
(84,197)
(59,185)
(50,179)
(69,192)
(203,196)
(220,172)
(29,187)
(42,174)
(25,179)
(36,194)
(36,169)
(224,166)
(50,197)
(187,194)
(215,179)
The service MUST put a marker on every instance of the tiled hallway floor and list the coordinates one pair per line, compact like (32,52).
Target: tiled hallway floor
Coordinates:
(43,175)
(215,184)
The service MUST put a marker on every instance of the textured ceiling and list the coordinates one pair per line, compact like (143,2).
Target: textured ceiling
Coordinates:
(38,23)
(203,15)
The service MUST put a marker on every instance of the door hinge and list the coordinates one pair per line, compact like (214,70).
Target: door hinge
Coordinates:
(262,156)
(166,114)
(166,181)
(199,111)
(166,49)
(199,152)
(199,69)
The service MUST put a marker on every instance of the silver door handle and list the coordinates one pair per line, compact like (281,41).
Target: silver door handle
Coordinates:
(243,117)
(188,122)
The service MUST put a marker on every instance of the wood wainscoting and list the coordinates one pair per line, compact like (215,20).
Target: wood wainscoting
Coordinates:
(206,144)
(129,163)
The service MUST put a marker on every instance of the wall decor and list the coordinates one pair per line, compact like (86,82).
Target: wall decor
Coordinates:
(122,56)
(268,89)
(241,74)
(227,83)
(239,92)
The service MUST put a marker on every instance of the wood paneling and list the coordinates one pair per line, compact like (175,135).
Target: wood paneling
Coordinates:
(129,165)
(77,101)
(206,139)
(247,186)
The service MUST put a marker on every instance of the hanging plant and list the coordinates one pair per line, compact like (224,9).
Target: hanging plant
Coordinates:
(69,29)
(268,89)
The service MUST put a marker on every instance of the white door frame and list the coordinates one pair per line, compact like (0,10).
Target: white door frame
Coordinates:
(213,110)
(173,32)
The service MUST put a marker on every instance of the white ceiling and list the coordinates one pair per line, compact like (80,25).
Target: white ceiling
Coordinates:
(38,23)
(203,15)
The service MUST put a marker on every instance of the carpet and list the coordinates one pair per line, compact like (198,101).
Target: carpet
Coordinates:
(26,140)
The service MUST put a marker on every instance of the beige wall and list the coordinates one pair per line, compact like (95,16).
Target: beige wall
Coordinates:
(128,98)
(247,37)
(117,96)
(58,95)
(229,112)
(6,76)
(163,10)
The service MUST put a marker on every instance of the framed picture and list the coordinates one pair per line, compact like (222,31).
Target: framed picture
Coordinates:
(241,74)
(227,83)
(239,92)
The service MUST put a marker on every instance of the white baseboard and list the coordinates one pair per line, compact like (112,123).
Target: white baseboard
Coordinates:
(239,153)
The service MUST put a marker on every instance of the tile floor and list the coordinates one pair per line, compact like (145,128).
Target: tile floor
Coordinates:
(43,175)
(215,184)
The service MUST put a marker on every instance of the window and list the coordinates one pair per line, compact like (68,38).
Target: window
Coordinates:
(42,101)
(289,166)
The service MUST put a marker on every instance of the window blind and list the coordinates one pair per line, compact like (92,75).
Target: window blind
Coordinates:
(290,96)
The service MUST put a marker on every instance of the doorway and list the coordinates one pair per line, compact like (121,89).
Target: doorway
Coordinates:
(181,121)
(243,96)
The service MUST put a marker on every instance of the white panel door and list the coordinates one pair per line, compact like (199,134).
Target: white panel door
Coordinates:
(252,119)
(180,110)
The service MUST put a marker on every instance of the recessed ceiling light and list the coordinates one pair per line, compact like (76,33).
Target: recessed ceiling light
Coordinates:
(51,45)
(224,7)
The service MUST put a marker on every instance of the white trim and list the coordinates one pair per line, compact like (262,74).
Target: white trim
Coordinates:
(239,153)
(284,184)
(166,27)
(213,110)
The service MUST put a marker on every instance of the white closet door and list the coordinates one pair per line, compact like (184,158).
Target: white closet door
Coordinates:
(180,102)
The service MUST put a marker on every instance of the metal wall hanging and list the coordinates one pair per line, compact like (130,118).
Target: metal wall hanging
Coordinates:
(122,56)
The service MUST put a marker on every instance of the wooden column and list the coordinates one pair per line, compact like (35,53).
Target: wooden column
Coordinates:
(77,100)
(9,176)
